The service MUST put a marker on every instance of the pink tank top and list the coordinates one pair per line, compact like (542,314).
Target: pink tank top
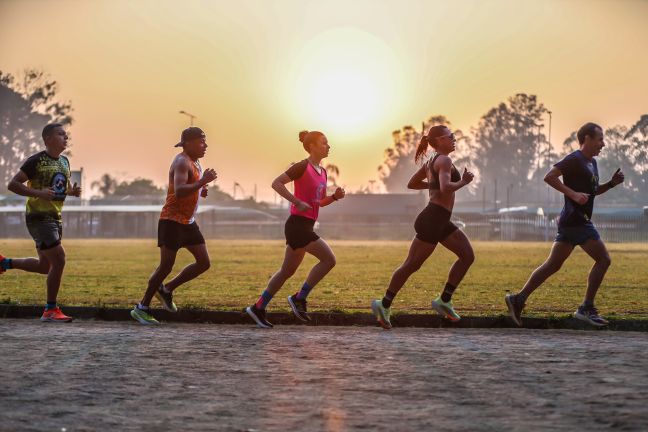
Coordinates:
(310,187)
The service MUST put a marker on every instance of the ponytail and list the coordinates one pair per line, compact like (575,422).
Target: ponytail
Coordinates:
(428,140)
(421,149)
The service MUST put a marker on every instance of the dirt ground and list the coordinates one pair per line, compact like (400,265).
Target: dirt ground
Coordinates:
(94,375)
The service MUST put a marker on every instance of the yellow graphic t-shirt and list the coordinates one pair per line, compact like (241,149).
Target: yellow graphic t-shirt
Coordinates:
(43,172)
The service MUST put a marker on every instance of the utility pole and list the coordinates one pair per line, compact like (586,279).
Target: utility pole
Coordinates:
(548,156)
(191,117)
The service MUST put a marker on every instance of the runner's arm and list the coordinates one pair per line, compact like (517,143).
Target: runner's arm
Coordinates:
(73,189)
(17,185)
(419,179)
(603,188)
(279,185)
(553,180)
(181,188)
(617,178)
(330,199)
(446,185)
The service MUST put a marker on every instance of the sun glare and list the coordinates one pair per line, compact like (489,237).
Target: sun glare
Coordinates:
(345,80)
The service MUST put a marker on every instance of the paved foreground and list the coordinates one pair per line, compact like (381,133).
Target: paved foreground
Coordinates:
(93,375)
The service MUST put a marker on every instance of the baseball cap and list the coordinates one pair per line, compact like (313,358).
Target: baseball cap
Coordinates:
(189,134)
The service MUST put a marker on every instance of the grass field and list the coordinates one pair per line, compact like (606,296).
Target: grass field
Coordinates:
(114,273)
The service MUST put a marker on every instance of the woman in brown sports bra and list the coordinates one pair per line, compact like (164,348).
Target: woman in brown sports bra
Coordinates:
(433,225)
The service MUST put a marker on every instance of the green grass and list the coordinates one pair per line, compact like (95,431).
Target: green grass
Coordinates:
(115,272)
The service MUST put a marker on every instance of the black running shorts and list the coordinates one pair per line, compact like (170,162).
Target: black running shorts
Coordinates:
(433,224)
(173,235)
(299,231)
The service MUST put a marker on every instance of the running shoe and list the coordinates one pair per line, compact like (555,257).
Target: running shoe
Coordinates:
(2,270)
(143,316)
(259,316)
(515,306)
(445,309)
(55,315)
(590,315)
(299,308)
(166,298)
(382,314)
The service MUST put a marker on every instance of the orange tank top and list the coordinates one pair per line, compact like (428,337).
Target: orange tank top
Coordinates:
(183,210)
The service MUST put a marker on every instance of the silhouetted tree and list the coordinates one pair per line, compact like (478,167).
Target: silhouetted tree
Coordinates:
(26,105)
(216,194)
(637,138)
(105,185)
(626,149)
(139,186)
(508,144)
(332,174)
(399,164)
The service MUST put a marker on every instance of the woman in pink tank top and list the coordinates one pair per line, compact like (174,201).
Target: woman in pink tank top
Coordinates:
(309,179)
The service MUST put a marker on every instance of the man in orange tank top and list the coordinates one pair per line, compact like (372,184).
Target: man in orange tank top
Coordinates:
(177,227)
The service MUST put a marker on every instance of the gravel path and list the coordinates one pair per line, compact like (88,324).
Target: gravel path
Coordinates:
(95,375)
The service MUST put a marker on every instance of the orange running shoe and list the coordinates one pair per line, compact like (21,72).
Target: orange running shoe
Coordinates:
(55,315)
(2,270)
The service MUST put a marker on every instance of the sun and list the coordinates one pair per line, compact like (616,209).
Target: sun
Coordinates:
(345,80)
(343,98)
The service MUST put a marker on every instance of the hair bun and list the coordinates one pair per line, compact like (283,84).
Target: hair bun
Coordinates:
(302,135)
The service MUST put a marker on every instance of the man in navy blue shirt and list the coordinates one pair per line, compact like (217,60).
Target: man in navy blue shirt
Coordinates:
(580,184)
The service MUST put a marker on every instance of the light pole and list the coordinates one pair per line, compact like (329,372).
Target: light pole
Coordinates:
(191,117)
(509,189)
(549,139)
(240,188)
(549,112)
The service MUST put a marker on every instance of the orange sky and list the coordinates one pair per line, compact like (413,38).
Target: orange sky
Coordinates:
(257,72)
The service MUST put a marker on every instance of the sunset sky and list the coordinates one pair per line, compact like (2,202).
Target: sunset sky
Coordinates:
(255,73)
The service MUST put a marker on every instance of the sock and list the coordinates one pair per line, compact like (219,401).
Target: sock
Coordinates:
(387,300)
(50,305)
(142,307)
(263,300)
(6,264)
(588,304)
(304,291)
(446,295)
(165,289)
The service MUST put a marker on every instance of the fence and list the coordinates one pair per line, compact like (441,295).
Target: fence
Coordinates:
(488,227)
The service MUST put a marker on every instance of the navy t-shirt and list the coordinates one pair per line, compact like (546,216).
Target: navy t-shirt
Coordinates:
(581,175)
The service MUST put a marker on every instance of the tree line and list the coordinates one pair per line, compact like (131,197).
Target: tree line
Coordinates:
(508,148)
(509,151)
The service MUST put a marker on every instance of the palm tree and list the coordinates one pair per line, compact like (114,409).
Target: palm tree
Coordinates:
(333,173)
(106,185)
